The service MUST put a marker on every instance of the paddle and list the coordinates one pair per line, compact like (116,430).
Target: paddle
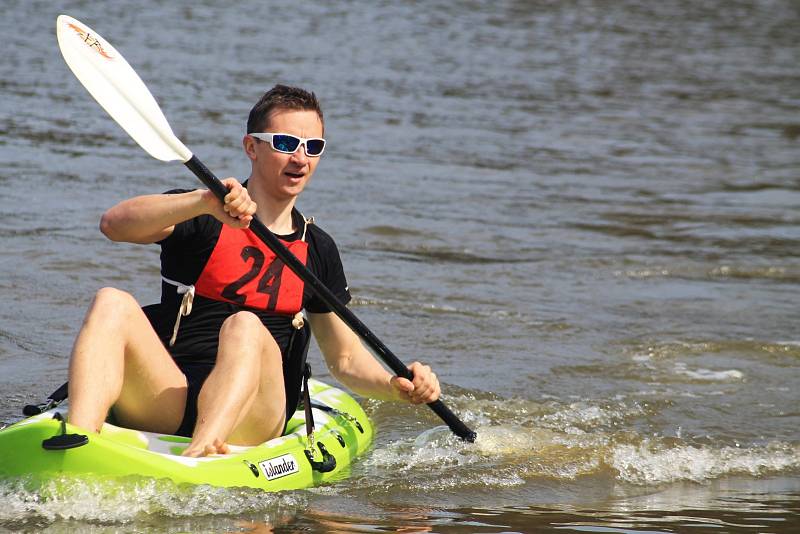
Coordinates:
(119,90)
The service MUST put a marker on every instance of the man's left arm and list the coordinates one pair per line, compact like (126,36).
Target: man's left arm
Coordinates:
(355,367)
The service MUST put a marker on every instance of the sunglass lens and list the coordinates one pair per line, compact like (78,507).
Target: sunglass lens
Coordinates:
(285,143)
(314,147)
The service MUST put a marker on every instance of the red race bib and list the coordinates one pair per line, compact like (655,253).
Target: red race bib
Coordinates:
(242,270)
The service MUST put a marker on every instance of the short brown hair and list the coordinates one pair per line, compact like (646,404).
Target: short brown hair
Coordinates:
(282,97)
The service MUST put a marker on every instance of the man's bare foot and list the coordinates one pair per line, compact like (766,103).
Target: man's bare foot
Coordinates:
(195,450)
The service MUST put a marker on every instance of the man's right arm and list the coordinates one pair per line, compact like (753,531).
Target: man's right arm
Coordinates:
(151,218)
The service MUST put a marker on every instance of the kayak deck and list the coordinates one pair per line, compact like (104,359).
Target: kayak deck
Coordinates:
(342,433)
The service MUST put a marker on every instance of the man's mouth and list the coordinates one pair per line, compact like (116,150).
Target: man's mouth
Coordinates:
(295,175)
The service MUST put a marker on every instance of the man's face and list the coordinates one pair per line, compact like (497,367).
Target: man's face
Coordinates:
(284,176)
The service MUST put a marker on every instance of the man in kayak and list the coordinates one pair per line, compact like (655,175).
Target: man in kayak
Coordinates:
(217,358)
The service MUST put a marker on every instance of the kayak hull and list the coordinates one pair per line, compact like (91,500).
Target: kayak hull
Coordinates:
(343,432)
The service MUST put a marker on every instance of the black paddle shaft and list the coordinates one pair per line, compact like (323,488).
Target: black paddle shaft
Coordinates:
(382,351)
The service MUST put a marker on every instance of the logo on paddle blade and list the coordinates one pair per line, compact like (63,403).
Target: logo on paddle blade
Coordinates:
(92,42)
(279,467)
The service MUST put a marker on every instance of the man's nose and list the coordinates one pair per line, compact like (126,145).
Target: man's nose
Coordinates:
(300,155)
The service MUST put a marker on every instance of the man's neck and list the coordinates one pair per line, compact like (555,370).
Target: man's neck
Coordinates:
(275,214)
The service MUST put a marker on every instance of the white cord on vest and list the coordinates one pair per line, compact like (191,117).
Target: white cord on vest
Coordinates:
(185,307)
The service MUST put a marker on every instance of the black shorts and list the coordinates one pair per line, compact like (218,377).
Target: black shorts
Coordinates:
(196,374)
(293,365)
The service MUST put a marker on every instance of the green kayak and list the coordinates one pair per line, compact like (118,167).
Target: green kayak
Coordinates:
(41,447)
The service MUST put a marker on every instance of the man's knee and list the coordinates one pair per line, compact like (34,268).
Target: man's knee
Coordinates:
(242,323)
(110,301)
(113,294)
(245,327)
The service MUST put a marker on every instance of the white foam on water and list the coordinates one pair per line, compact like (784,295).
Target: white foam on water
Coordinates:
(502,456)
(644,273)
(586,415)
(707,375)
(122,501)
(657,462)
(558,441)
(435,449)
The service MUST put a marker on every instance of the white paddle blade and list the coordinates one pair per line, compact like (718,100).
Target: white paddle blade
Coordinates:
(116,86)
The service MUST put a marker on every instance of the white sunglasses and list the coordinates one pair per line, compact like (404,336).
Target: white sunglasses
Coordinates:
(288,143)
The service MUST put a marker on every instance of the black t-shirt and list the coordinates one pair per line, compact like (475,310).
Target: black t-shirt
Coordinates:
(185,253)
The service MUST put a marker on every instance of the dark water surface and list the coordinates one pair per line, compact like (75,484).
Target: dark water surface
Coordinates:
(585,215)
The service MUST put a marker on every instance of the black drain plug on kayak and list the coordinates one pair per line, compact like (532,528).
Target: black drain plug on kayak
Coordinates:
(63,441)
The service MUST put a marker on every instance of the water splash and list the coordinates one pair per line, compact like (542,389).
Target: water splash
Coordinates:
(780,273)
(708,375)
(654,461)
(520,441)
(122,501)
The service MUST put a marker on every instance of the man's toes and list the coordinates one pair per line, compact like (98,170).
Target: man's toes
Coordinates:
(221,447)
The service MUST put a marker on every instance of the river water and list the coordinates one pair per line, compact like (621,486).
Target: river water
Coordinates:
(584,214)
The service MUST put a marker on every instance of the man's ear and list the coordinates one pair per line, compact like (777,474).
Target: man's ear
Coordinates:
(249,145)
